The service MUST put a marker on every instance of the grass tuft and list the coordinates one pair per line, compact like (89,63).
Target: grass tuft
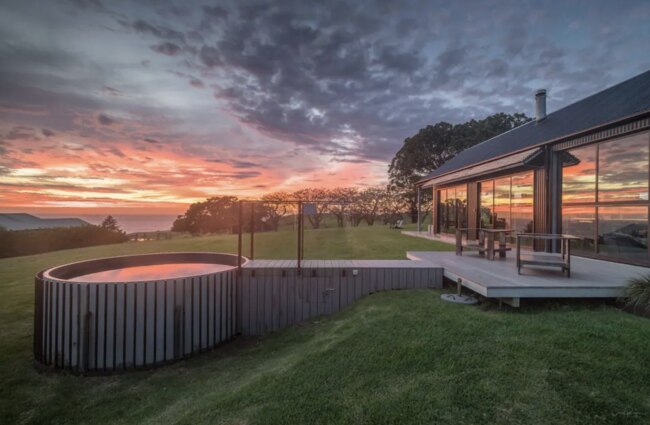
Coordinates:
(637,294)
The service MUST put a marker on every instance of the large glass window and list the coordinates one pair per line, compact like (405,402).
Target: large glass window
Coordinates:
(487,203)
(507,202)
(605,197)
(452,208)
(579,175)
(502,203)
(581,222)
(521,214)
(623,231)
(623,169)
(461,205)
(442,209)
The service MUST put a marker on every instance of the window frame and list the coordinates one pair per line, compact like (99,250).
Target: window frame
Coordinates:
(597,203)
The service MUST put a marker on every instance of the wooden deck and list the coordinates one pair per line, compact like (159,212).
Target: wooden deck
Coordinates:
(499,279)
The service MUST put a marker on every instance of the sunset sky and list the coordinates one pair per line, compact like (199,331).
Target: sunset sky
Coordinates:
(147,106)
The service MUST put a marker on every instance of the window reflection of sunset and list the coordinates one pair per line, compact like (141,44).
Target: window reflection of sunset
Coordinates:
(618,230)
(623,169)
(579,181)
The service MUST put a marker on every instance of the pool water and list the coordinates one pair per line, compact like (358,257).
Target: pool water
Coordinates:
(152,272)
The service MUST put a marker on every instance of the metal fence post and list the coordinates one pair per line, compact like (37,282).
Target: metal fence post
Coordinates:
(299,233)
(239,239)
(252,228)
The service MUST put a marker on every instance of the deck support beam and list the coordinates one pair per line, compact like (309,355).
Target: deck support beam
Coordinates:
(512,302)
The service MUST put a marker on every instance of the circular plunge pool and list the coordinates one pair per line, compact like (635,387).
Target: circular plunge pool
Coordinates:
(120,313)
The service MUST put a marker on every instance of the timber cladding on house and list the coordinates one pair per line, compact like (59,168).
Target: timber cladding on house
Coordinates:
(582,170)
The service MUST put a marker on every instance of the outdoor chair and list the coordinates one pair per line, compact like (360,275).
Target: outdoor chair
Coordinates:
(483,241)
(397,224)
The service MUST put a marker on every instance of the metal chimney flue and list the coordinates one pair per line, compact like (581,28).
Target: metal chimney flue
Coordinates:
(540,104)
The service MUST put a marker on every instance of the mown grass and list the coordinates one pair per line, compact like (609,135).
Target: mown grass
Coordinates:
(398,357)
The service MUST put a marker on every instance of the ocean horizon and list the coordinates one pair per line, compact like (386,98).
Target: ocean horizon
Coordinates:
(130,223)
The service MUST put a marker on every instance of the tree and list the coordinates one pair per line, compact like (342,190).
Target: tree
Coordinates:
(214,215)
(320,197)
(393,207)
(433,145)
(276,207)
(371,200)
(342,198)
(110,223)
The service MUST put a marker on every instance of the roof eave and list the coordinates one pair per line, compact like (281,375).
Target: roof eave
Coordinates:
(619,121)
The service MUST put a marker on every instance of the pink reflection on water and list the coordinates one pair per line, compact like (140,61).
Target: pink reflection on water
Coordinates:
(152,272)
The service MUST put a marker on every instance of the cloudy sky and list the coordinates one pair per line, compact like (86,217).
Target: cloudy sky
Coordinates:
(146,106)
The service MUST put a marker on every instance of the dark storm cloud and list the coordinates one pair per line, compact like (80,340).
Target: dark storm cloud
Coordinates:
(241,175)
(166,48)
(112,91)
(236,163)
(159,31)
(104,119)
(47,133)
(209,56)
(195,82)
(19,133)
(117,152)
(346,78)
(87,4)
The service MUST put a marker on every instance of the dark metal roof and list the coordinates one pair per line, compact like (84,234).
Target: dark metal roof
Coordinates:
(626,99)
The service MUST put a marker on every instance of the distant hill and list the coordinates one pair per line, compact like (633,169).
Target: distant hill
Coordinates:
(22,221)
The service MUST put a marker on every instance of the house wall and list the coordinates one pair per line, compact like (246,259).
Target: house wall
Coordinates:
(548,201)
(472,207)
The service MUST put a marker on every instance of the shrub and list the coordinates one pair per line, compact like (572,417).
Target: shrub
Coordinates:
(636,295)
(27,242)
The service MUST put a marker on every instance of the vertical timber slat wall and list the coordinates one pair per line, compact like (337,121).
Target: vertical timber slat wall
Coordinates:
(473,207)
(275,297)
(434,210)
(541,217)
(105,327)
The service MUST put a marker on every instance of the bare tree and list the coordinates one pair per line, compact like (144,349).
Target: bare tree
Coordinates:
(393,207)
(320,198)
(277,207)
(342,198)
(371,200)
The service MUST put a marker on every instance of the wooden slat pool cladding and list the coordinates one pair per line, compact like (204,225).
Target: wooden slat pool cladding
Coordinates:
(92,328)
(107,327)
(275,294)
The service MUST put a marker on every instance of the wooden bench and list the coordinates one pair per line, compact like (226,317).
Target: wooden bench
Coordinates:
(561,260)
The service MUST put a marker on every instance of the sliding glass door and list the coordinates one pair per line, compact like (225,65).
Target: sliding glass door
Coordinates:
(507,202)
(452,208)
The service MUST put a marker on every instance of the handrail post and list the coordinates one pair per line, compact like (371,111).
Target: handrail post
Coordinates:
(299,233)
(239,242)
(252,228)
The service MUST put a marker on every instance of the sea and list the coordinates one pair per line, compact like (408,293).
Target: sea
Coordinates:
(130,223)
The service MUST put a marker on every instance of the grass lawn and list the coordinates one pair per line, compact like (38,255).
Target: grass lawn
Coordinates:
(398,357)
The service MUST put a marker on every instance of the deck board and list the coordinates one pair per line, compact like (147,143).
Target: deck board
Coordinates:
(499,278)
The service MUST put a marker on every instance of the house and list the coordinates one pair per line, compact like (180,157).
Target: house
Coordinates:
(581,170)
(22,221)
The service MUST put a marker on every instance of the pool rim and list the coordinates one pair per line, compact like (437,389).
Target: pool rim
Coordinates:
(47,273)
